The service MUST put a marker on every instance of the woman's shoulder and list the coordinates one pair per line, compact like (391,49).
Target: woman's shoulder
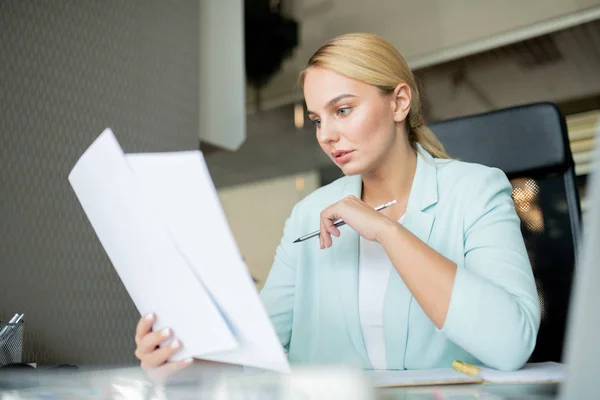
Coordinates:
(452,174)
(469,181)
(463,171)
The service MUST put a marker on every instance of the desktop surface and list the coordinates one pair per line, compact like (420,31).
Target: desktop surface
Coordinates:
(208,384)
(540,391)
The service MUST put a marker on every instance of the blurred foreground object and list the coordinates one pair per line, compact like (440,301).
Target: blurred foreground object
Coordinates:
(222,109)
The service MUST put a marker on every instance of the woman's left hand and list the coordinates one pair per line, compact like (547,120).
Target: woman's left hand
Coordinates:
(367,222)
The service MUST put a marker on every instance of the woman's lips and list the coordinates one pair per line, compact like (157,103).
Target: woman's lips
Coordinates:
(342,156)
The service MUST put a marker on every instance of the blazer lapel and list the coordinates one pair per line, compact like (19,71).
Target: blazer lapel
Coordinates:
(398,299)
(346,253)
(423,194)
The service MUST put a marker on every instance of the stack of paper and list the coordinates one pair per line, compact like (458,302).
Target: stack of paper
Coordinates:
(545,372)
(425,377)
(159,219)
(531,373)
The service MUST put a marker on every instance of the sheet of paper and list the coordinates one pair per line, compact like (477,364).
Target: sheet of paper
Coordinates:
(440,376)
(181,186)
(530,373)
(156,274)
(160,221)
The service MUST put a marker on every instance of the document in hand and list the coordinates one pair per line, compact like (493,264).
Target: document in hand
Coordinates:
(160,221)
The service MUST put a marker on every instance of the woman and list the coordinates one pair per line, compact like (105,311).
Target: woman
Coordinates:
(442,275)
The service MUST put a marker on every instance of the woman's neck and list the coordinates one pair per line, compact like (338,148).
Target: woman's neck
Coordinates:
(392,180)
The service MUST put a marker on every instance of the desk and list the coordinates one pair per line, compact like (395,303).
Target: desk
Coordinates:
(471,392)
(206,384)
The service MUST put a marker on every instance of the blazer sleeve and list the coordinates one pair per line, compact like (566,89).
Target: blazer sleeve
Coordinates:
(494,311)
(277,294)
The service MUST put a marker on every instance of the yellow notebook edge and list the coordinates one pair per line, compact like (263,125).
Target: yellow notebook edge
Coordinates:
(473,370)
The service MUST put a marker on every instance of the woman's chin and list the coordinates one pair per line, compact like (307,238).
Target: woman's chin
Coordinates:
(349,169)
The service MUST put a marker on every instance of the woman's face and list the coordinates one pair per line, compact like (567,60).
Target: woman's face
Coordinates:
(356,124)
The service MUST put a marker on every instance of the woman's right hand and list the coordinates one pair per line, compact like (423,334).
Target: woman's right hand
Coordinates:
(153,358)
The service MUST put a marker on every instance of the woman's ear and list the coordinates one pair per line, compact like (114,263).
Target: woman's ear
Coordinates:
(402,98)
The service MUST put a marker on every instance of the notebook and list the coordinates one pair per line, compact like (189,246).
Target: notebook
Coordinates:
(424,377)
(547,372)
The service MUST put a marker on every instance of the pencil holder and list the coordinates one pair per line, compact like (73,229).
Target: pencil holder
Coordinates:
(11,343)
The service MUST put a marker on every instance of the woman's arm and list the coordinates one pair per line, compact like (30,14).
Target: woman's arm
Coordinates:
(427,274)
(489,305)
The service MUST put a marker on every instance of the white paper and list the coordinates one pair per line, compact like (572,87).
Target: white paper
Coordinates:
(181,185)
(530,373)
(440,376)
(160,221)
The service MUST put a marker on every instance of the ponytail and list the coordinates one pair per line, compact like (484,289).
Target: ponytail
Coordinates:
(421,134)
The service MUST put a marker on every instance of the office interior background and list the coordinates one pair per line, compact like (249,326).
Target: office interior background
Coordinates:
(146,68)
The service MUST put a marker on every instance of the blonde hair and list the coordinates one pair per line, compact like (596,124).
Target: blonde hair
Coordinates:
(373,60)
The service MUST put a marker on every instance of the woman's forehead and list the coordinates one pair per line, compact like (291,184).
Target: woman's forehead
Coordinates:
(322,85)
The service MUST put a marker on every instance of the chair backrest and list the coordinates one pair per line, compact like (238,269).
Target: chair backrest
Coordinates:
(530,144)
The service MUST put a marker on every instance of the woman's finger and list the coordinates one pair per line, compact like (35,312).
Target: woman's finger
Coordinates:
(165,371)
(149,342)
(321,236)
(161,355)
(329,216)
(331,228)
(324,230)
(144,327)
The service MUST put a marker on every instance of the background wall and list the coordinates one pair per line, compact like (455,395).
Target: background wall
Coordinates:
(70,69)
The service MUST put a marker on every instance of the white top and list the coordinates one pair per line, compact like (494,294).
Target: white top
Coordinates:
(373,276)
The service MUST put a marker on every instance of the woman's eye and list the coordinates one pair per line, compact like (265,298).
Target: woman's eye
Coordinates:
(344,111)
(316,122)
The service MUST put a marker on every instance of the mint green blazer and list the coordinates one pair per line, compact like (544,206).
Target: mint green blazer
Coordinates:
(465,212)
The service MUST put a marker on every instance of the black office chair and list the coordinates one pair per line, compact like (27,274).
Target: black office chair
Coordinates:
(530,144)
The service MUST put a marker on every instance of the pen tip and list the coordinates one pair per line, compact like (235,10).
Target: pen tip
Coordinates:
(296,241)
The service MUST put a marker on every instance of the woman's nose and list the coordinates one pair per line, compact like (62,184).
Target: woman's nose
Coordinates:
(327,133)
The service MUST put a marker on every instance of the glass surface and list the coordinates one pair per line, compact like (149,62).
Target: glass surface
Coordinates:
(218,383)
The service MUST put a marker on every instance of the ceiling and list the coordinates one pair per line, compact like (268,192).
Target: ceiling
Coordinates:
(557,67)
(426,32)
(560,67)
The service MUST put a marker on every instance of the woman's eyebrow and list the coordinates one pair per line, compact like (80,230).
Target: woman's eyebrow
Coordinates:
(334,101)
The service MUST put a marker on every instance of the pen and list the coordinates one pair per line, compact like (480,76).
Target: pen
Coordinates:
(465,368)
(339,223)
